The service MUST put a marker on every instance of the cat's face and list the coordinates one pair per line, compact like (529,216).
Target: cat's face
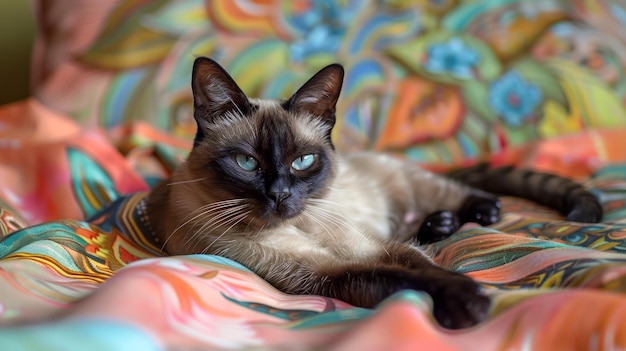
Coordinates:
(266,157)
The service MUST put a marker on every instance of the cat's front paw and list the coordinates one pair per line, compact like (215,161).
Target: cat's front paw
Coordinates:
(458,302)
(437,226)
(481,209)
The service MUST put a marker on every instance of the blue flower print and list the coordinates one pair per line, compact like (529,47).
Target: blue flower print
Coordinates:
(452,57)
(323,28)
(513,98)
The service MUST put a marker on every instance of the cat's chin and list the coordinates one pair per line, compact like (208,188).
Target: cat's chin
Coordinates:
(273,218)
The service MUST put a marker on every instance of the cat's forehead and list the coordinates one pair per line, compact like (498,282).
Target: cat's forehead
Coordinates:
(266,105)
(269,122)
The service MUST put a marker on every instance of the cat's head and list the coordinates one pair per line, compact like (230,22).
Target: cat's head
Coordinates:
(271,155)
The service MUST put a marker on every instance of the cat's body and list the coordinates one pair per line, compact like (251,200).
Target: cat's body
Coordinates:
(263,186)
(372,201)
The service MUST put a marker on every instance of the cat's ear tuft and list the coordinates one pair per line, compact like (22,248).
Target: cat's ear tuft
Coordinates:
(215,93)
(319,94)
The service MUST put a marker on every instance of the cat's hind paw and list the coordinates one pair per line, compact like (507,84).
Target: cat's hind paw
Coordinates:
(484,210)
(437,226)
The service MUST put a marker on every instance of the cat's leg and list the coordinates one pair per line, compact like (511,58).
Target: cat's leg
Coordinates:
(481,208)
(429,206)
(366,280)
(437,226)
(457,301)
(447,205)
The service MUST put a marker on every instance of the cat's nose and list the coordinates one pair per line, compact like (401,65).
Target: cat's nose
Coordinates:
(278,196)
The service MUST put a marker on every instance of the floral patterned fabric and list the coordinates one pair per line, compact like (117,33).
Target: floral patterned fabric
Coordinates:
(440,81)
(535,83)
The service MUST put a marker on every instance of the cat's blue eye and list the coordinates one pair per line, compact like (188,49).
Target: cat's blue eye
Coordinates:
(303,162)
(247,163)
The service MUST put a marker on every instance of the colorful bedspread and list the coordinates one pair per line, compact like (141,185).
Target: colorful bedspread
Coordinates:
(70,283)
(537,83)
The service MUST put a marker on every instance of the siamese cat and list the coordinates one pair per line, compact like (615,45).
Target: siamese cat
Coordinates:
(264,186)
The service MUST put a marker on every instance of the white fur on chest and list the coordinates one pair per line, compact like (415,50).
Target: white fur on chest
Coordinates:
(351,223)
(331,244)
(362,202)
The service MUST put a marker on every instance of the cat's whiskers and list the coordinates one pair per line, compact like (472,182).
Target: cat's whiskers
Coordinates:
(220,213)
(330,217)
(202,211)
(222,218)
(208,207)
(211,207)
(187,181)
(338,219)
(318,210)
(322,215)
(326,204)
(335,204)
(346,221)
(236,220)
(331,233)
(342,220)
(258,231)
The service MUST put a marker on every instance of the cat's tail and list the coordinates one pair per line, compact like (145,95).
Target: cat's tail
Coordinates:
(572,199)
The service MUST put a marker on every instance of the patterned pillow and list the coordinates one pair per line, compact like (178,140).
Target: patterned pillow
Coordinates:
(437,80)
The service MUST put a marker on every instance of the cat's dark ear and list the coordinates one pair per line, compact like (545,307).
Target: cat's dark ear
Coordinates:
(215,93)
(319,94)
